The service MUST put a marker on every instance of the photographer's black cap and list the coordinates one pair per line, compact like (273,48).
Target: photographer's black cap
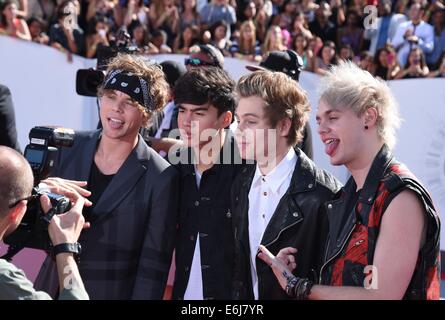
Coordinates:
(288,62)
(173,71)
(213,53)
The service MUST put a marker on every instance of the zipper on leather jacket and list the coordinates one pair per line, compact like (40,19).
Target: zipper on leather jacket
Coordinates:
(338,252)
(281,231)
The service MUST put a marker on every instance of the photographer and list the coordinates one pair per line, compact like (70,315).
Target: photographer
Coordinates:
(16,182)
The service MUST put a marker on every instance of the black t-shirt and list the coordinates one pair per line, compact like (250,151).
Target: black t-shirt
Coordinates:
(97,183)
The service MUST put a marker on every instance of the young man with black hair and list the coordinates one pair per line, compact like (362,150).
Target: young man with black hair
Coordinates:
(209,164)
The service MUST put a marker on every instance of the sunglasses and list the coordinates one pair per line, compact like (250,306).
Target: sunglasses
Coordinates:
(196,62)
(29,198)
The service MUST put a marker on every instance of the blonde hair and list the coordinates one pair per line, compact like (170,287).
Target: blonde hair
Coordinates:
(283,98)
(150,72)
(348,86)
(250,49)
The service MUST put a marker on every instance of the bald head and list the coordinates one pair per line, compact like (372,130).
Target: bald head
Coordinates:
(16,179)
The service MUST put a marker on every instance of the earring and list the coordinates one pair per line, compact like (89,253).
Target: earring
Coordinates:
(366,127)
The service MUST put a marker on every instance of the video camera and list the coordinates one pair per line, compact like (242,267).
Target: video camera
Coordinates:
(41,154)
(88,80)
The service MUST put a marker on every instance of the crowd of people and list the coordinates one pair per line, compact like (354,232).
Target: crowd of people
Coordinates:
(407,39)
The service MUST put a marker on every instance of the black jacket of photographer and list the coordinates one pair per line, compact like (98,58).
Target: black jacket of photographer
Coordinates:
(299,221)
(205,212)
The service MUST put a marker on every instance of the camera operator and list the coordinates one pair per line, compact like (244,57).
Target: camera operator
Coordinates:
(16,182)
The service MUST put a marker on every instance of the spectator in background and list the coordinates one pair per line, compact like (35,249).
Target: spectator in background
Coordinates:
(287,16)
(219,37)
(8,131)
(22,8)
(308,8)
(218,10)
(412,33)
(186,39)
(440,72)
(247,47)
(322,26)
(42,9)
(301,47)
(438,21)
(140,38)
(274,40)
(387,24)
(159,40)
(351,34)
(264,11)
(136,10)
(37,30)
(246,11)
(105,8)
(365,61)
(164,15)
(66,34)
(385,64)
(326,58)
(189,15)
(10,23)
(415,67)
(299,26)
(97,35)
(346,53)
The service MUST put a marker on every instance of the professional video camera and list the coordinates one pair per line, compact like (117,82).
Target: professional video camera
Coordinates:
(41,154)
(88,80)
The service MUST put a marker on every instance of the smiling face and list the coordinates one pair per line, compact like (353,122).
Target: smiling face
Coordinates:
(120,116)
(341,132)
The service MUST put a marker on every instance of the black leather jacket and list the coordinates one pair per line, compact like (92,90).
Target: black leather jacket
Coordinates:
(299,221)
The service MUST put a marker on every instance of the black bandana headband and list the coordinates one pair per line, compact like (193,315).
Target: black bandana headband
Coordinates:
(128,83)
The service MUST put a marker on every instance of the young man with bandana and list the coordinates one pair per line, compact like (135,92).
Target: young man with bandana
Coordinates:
(127,251)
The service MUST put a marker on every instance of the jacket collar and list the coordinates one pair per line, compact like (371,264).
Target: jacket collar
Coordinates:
(341,222)
(378,168)
(124,180)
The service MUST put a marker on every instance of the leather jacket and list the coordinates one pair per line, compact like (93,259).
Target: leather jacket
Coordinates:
(299,221)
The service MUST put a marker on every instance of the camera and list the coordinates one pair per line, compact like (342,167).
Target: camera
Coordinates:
(88,80)
(41,154)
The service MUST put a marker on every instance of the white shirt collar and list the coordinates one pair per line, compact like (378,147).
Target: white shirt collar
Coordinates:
(278,175)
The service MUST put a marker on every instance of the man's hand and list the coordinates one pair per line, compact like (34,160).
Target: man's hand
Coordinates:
(282,264)
(61,186)
(66,227)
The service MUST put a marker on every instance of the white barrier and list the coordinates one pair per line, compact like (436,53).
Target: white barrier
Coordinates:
(43,86)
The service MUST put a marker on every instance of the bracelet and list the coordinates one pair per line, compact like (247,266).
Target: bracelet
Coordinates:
(297,288)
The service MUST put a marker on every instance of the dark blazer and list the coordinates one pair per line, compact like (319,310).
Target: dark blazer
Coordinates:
(128,249)
(8,132)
